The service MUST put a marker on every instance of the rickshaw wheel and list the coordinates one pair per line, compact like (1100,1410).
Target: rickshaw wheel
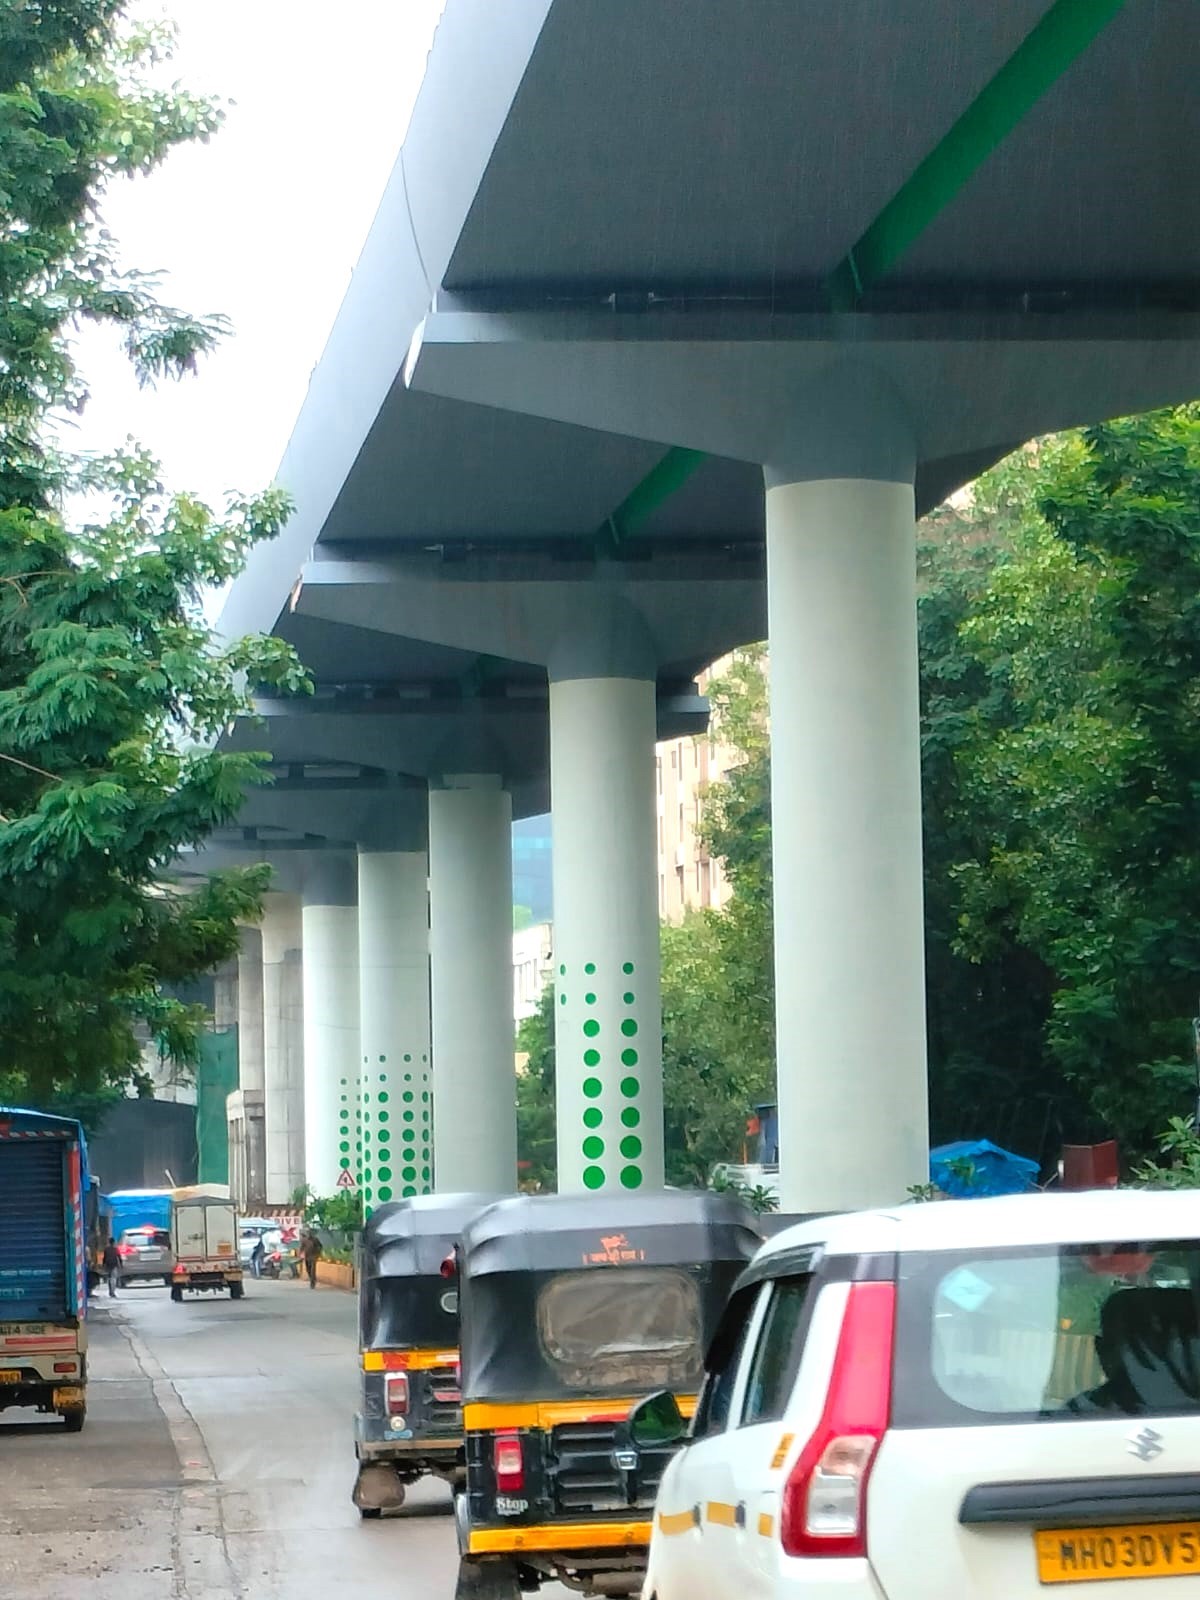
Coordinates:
(369,1513)
(491,1580)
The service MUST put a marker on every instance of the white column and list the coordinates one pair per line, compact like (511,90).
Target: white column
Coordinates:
(283,1047)
(608,1013)
(251,1153)
(846,829)
(395,1131)
(470,893)
(331,1031)
(250,1011)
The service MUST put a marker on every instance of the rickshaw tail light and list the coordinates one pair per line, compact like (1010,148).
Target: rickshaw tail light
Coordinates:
(824,1509)
(395,1391)
(508,1463)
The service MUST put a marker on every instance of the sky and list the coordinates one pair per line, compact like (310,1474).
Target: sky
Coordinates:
(264,223)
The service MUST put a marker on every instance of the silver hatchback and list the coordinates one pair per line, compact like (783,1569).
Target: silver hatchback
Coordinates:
(146,1255)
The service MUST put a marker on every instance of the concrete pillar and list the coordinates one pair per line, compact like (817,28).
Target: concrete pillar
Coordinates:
(396,1129)
(474,1079)
(846,825)
(331,1032)
(250,1011)
(608,1015)
(251,1158)
(283,1047)
(225,996)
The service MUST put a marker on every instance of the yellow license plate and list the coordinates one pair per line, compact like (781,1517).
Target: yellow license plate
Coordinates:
(1144,1550)
(10,1375)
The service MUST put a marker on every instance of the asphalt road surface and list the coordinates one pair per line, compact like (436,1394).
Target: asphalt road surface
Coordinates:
(216,1464)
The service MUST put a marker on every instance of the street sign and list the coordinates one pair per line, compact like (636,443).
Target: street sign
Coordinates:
(346,1179)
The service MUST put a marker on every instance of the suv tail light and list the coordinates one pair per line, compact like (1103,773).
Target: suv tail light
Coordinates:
(508,1463)
(824,1511)
(395,1393)
(126,1250)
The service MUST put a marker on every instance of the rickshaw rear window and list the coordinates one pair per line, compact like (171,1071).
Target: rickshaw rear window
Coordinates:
(638,1328)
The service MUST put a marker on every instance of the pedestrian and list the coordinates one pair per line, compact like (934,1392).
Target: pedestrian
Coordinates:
(310,1249)
(257,1256)
(111,1262)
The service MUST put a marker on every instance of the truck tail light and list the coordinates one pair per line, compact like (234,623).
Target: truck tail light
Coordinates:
(64,1366)
(824,1511)
(395,1393)
(508,1463)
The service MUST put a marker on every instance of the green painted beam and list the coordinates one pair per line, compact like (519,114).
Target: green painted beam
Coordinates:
(659,484)
(1062,35)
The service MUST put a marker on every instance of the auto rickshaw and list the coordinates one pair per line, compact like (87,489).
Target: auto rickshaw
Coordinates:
(410,1418)
(574,1307)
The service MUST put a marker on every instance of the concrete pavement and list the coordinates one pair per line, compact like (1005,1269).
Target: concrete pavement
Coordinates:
(217,1461)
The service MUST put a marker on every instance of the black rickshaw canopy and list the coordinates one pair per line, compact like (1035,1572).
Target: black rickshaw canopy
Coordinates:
(579,1295)
(404,1299)
(662,1227)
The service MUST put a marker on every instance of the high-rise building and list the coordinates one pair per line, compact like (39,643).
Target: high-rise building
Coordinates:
(688,878)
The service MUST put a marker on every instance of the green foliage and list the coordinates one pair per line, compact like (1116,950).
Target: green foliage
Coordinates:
(1180,1145)
(1077,770)
(535,1099)
(755,1196)
(336,1213)
(112,689)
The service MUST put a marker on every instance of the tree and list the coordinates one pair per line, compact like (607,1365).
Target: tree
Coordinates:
(1083,764)
(112,689)
(536,1122)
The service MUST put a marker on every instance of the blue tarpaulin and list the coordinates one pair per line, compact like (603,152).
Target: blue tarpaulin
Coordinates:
(992,1170)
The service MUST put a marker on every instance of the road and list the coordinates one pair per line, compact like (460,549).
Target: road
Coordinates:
(216,1464)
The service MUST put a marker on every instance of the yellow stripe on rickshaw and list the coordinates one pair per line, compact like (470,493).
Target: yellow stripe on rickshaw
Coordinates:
(555,1536)
(407,1360)
(490,1416)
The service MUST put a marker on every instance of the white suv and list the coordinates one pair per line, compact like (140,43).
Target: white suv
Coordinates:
(942,1402)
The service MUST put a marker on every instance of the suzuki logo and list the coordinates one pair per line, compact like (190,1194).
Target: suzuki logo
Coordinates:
(1147,1445)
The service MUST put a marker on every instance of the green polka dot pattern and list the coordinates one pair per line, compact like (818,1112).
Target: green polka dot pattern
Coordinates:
(604,1004)
(409,1146)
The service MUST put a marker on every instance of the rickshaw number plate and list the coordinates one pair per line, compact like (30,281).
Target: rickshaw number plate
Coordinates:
(10,1375)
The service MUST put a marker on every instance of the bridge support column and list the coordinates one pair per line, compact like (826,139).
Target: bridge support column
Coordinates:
(394,1123)
(846,830)
(283,1047)
(470,942)
(252,1157)
(331,1031)
(608,1010)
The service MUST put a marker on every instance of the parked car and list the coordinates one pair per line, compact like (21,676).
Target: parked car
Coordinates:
(146,1255)
(940,1402)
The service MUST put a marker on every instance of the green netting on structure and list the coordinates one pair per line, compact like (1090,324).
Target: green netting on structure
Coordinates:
(216,1079)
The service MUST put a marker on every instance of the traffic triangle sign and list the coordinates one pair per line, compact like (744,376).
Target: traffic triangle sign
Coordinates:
(346,1179)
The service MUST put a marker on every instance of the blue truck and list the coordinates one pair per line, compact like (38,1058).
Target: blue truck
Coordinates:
(44,1189)
(135,1208)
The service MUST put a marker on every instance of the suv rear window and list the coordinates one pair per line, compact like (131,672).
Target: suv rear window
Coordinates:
(1085,1331)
